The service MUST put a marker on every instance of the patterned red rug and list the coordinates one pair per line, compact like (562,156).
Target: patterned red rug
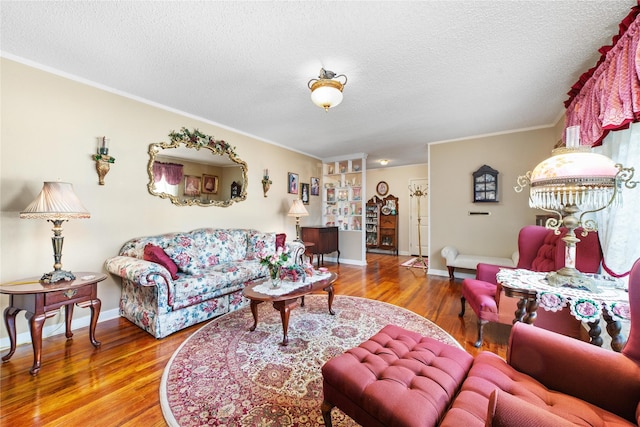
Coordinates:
(225,375)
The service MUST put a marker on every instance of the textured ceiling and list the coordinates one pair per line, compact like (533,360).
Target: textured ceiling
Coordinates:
(419,72)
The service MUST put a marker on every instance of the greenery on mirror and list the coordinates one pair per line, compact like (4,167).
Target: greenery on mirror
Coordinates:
(200,139)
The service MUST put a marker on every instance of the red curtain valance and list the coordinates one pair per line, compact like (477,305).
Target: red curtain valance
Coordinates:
(607,97)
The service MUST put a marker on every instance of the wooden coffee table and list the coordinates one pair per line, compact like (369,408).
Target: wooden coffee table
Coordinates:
(285,303)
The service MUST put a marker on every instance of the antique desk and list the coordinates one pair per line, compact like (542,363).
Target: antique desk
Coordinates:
(42,301)
(324,238)
(609,299)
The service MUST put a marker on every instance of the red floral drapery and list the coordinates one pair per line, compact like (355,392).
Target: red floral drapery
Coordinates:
(172,172)
(607,97)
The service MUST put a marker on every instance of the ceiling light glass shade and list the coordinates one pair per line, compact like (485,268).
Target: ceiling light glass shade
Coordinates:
(326,90)
(298,209)
(56,201)
(326,93)
(574,176)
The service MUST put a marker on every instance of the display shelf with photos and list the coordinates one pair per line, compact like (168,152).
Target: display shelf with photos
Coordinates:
(343,190)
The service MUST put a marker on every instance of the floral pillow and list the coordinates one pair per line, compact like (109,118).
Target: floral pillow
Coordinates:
(261,243)
(184,252)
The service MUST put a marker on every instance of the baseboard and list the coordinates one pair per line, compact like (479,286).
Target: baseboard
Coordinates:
(58,327)
(344,261)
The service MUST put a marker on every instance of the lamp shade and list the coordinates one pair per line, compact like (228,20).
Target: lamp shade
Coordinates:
(297,209)
(573,175)
(56,201)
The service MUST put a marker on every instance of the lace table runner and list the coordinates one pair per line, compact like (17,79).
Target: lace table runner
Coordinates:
(584,304)
(287,286)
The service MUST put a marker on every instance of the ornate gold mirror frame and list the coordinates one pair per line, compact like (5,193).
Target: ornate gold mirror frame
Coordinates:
(185,148)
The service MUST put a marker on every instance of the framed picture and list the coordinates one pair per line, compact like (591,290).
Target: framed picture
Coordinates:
(293,183)
(315,186)
(191,185)
(357,193)
(209,184)
(304,193)
(331,195)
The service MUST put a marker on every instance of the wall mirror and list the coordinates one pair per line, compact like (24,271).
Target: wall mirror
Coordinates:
(196,169)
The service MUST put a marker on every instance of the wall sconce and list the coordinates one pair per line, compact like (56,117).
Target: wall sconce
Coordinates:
(266,182)
(103,159)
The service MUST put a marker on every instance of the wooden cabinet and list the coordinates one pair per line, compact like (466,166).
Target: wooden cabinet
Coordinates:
(372,222)
(383,234)
(324,238)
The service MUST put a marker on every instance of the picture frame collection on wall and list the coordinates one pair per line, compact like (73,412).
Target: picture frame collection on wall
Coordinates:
(294,186)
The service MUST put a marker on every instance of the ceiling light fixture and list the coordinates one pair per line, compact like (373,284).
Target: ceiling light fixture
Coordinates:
(384,162)
(326,90)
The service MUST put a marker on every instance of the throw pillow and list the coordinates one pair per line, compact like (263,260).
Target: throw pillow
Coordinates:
(156,254)
(508,410)
(281,238)
(184,253)
(259,243)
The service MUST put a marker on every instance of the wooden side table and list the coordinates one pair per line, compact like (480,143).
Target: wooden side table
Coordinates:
(42,301)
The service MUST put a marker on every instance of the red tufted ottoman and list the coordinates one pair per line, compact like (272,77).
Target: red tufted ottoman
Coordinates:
(396,378)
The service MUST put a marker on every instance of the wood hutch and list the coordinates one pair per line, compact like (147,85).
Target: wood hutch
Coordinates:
(381,223)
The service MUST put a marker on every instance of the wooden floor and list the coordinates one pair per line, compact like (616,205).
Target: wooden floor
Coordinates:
(118,384)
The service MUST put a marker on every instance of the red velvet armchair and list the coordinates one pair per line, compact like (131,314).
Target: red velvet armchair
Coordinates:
(540,250)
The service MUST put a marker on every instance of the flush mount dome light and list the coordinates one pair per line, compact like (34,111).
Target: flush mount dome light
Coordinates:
(326,90)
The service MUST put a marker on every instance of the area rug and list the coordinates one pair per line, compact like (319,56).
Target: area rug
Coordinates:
(224,375)
(412,263)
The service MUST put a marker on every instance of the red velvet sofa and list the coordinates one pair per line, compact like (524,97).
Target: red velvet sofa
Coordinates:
(399,378)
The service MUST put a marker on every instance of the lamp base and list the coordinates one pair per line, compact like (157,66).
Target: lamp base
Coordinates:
(571,278)
(57,276)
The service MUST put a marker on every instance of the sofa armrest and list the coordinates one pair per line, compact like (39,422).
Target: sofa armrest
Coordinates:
(296,249)
(145,273)
(601,377)
(487,272)
(449,253)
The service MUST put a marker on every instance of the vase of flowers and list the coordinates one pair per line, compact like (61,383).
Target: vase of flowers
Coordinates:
(275,262)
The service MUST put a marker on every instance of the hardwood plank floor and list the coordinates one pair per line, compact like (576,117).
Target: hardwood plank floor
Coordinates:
(118,384)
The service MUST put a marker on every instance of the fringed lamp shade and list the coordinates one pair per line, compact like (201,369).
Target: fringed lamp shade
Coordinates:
(57,202)
(574,176)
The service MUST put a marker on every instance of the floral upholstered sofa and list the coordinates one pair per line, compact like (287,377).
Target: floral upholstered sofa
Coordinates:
(175,280)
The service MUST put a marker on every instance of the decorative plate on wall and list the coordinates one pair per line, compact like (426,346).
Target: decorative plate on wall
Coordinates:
(382,188)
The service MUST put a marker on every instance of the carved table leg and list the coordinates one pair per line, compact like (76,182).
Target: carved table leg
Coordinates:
(95,305)
(68,315)
(10,321)
(532,307)
(594,333)
(520,312)
(254,311)
(36,322)
(284,307)
(613,328)
(329,290)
